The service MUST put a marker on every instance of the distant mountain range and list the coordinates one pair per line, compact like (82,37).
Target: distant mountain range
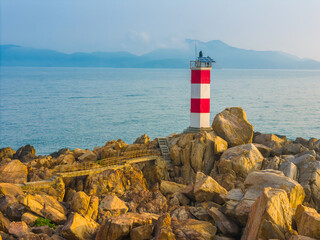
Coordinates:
(225,56)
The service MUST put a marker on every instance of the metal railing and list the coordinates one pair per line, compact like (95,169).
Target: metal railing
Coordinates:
(121,159)
(115,161)
(200,64)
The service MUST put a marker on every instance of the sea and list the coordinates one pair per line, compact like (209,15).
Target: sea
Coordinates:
(53,108)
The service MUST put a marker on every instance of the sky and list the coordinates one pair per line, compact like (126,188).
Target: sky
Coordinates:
(140,26)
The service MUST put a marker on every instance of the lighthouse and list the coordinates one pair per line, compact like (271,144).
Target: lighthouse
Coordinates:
(200,94)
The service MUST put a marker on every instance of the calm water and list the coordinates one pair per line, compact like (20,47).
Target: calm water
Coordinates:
(52,108)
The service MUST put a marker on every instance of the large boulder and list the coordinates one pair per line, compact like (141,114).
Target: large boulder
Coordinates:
(241,160)
(207,189)
(270,216)
(118,227)
(309,178)
(232,125)
(289,169)
(142,232)
(272,141)
(143,139)
(18,229)
(308,221)
(92,211)
(78,152)
(88,156)
(293,148)
(194,229)
(258,180)
(66,159)
(10,189)
(156,171)
(25,153)
(80,203)
(7,152)
(29,218)
(116,181)
(113,204)
(151,201)
(45,206)
(239,204)
(4,223)
(14,172)
(224,224)
(167,187)
(79,228)
(316,146)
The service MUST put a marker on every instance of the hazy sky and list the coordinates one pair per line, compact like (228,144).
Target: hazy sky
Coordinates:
(138,26)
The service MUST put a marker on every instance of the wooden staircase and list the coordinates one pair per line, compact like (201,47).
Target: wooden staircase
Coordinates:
(164,148)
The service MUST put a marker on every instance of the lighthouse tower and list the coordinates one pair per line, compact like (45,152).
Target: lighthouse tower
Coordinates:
(200,94)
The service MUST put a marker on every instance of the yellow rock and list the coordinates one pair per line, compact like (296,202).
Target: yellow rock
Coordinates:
(14,172)
(79,228)
(195,229)
(167,187)
(80,202)
(207,189)
(308,221)
(270,216)
(118,227)
(113,204)
(45,206)
(232,125)
(241,159)
(143,139)
(258,180)
(10,189)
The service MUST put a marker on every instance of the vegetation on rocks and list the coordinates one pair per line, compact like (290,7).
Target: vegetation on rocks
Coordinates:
(225,184)
(39,222)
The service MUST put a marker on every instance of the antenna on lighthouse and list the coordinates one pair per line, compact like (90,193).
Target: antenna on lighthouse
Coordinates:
(195,49)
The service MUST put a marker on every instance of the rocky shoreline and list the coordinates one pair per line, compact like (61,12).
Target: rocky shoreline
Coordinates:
(224,184)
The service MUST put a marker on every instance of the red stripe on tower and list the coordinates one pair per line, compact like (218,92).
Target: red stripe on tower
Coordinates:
(200,76)
(200,105)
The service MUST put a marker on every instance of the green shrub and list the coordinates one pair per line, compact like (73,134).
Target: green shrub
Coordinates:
(44,222)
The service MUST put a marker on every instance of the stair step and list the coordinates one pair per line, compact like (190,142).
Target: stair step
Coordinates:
(164,148)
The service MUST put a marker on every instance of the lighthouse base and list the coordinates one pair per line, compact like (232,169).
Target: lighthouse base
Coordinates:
(194,129)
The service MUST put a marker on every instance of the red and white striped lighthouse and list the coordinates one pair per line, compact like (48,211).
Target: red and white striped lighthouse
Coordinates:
(200,94)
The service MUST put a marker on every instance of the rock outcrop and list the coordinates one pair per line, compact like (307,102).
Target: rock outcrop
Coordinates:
(222,184)
(195,152)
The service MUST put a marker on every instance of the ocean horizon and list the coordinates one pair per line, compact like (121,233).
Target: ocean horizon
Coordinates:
(57,107)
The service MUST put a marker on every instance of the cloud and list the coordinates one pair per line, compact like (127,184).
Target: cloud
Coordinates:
(173,42)
(138,37)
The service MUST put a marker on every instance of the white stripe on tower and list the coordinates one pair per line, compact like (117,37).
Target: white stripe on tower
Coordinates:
(200,90)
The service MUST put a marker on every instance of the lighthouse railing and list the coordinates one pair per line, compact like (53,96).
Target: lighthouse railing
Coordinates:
(200,64)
